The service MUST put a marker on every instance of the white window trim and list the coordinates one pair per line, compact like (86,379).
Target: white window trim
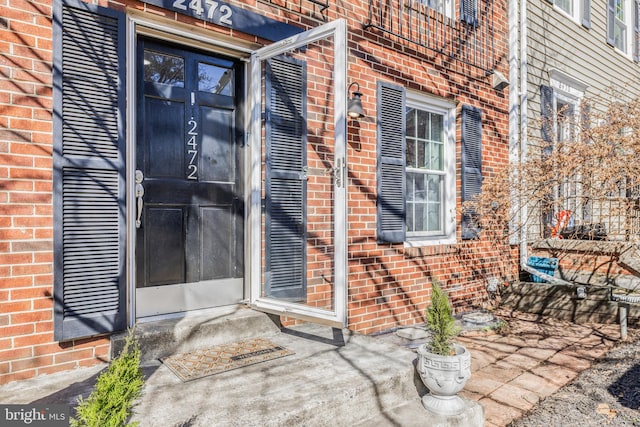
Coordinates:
(448,110)
(577,10)
(629,30)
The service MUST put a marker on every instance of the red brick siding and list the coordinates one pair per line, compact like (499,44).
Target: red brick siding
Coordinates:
(388,284)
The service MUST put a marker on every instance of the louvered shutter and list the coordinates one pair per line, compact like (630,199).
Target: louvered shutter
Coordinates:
(89,170)
(471,167)
(469,12)
(391,129)
(586,13)
(547,115)
(286,185)
(611,16)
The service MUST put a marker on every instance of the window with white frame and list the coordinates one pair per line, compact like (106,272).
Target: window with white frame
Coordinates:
(569,6)
(416,170)
(578,10)
(445,7)
(623,26)
(430,151)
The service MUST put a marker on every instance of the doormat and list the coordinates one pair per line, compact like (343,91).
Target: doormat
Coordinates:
(201,363)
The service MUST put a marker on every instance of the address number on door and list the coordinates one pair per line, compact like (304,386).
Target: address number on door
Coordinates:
(196,6)
(192,150)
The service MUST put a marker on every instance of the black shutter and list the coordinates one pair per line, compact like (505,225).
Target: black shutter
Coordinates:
(469,12)
(586,13)
(391,178)
(471,167)
(286,185)
(547,115)
(611,16)
(89,170)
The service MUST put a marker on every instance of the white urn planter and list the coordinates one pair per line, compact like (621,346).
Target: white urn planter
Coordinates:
(444,376)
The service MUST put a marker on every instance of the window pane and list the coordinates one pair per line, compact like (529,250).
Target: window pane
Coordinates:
(433,217)
(566,5)
(437,127)
(620,36)
(421,158)
(434,207)
(411,122)
(435,187)
(163,68)
(436,161)
(422,125)
(411,153)
(411,187)
(419,218)
(215,79)
(420,193)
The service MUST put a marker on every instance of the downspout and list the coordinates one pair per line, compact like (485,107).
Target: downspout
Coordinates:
(518,97)
(523,127)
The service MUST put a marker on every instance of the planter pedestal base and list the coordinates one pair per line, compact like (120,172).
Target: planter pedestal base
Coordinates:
(472,415)
(444,405)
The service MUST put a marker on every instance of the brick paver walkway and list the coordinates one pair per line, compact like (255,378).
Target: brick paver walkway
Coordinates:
(513,371)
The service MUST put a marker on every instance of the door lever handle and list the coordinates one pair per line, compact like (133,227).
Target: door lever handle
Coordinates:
(139,196)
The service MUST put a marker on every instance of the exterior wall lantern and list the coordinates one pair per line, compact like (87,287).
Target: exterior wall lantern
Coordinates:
(354,108)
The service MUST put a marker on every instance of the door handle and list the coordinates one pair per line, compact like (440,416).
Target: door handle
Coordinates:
(139,196)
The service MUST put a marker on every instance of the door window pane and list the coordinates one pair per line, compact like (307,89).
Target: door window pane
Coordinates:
(215,79)
(163,68)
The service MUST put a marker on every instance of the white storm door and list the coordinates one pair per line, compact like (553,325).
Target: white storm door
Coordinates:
(299,175)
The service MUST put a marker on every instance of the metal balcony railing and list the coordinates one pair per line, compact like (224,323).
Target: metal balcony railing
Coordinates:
(440,27)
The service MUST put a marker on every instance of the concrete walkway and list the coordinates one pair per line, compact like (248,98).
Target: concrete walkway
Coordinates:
(511,371)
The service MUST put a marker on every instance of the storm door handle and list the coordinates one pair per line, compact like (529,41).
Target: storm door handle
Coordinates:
(139,196)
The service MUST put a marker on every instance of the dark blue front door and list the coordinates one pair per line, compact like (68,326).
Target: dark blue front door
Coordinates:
(189,197)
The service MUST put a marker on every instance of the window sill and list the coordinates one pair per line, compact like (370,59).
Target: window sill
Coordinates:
(417,242)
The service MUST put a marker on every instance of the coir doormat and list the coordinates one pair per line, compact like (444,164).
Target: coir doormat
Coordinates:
(201,363)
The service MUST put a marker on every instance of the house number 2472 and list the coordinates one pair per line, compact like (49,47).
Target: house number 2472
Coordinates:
(192,150)
(225,12)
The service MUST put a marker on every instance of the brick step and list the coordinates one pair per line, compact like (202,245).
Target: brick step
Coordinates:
(562,302)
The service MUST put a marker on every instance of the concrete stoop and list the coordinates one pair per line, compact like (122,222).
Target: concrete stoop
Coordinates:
(335,377)
(413,414)
(162,338)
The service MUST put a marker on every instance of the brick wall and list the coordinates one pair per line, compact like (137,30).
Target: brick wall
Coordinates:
(388,284)
(26,226)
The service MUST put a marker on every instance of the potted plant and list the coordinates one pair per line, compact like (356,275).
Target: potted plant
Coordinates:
(443,365)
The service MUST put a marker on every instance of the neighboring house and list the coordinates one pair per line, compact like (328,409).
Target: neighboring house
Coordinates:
(163,156)
(577,57)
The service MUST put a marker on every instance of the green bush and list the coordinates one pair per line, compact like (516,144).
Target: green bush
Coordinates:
(441,323)
(110,402)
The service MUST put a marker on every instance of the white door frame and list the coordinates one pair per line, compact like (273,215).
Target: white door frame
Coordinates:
(140,23)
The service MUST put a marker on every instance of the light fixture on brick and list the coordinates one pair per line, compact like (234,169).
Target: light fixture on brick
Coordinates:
(354,109)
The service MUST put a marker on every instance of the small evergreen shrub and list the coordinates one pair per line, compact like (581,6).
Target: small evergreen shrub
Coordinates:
(110,402)
(441,323)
